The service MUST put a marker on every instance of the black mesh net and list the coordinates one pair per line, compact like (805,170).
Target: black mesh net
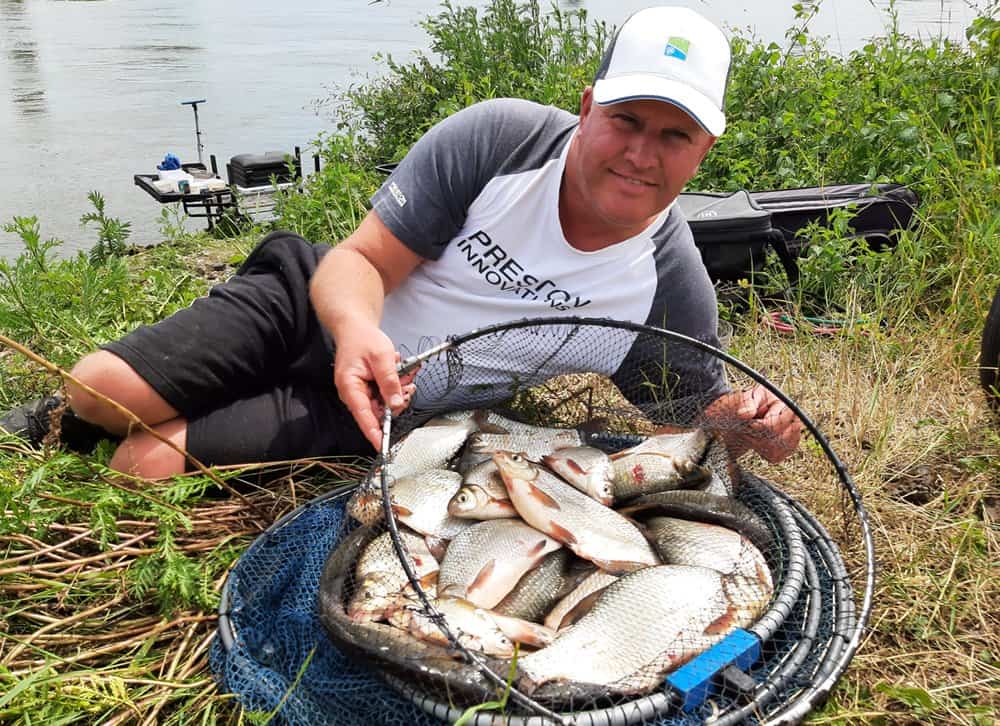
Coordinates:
(559,533)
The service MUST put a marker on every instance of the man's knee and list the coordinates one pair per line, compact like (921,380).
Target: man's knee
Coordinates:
(113,378)
(144,455)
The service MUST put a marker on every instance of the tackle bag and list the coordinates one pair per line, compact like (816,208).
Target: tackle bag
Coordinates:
(880,211)
(733,234)
(734,231)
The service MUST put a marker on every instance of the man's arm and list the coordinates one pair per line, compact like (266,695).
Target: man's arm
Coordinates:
(348,290)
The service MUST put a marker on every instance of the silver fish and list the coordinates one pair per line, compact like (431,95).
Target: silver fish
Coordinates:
(432,446)
(383,642)
(703,506)
(725,472)
(483,495)
(593,583)
(485,562)
(586,468)
(643,625)
(381,577)
(543,586)
(421,503)
(476,628)
(683,542)
(660,463)
(502,434)
(593,531)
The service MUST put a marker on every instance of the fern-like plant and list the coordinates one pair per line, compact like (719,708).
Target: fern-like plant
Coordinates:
(112,233)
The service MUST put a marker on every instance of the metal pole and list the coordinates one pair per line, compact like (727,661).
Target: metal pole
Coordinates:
(197,127)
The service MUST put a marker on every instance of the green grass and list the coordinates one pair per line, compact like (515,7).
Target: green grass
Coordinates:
(108,586)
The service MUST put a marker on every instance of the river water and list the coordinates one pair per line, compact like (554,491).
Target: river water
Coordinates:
(91,91)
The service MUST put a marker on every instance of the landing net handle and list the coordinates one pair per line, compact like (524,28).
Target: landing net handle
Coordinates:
(432,613)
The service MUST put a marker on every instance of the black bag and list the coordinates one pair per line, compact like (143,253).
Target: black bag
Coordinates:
(733,234)
(734,231)
(880,211)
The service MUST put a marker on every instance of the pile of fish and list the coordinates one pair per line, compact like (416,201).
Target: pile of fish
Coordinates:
(606,570)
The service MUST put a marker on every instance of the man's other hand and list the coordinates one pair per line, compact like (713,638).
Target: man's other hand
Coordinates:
(756,419)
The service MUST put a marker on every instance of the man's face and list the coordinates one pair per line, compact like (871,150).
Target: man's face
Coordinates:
(631,160)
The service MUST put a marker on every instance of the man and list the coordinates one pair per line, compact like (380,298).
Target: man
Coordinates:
(506,210)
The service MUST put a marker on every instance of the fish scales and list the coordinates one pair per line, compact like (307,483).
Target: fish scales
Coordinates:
(380,575)
(485,562)
(472,625)
(593,531)
(683,542)
(538,591)
(594,582)
(704,506)
(642,626)
(660,463)
(421,501)
(588,469)
(532,445)
(432,446)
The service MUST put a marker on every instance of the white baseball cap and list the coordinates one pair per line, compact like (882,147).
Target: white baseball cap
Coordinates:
(668,54)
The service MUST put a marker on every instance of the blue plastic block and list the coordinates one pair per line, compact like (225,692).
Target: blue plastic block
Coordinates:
(693,680)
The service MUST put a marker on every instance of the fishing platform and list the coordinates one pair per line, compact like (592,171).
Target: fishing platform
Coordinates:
(250,190)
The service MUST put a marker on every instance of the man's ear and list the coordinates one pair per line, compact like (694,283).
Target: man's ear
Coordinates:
(708,147)
(586,102)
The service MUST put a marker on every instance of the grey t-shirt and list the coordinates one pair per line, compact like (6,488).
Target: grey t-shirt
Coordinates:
(477,197)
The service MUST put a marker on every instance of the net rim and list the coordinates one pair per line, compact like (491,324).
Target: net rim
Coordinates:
(843,475)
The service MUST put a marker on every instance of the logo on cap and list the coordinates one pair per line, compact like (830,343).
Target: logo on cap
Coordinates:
(677,48)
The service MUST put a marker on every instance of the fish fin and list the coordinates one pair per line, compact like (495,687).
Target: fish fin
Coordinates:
(544,499)
(763,577)
(482,421)
(525,631)
(400,511)
(453,590)
(583,607)
(481,579)
(429,579)
(561,533)
(619,567)
(538,548)
(724,623)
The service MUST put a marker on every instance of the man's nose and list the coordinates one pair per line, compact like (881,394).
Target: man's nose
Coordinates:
(640,151)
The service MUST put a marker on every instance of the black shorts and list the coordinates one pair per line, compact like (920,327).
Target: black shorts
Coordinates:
(249,365)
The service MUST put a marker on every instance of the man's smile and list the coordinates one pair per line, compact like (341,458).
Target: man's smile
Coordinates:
(633,180)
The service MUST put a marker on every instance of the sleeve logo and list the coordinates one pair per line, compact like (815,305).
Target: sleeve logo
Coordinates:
(397,194)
